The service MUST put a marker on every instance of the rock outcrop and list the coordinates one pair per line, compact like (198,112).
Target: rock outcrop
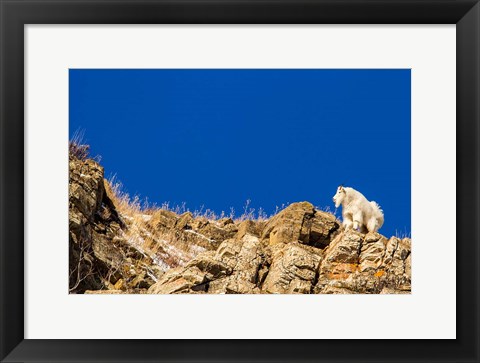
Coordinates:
(99,258)
(300,250)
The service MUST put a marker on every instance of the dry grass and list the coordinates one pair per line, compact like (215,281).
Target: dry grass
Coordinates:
(167,247)
(78,148)
(126,205)
(248,212)
(403,234)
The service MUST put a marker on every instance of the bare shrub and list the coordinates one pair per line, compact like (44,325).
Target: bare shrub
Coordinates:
(83,269)
(79,149)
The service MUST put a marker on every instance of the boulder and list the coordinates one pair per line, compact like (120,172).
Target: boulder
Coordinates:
(300,222)
(293,270)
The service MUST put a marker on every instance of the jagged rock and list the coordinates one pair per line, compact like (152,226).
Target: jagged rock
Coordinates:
(390,250)
(178,280)
(245,257)
(364,264)
(99,257)
(293,270)
(225,221)
(216,233)
(340,265)
(163,219)
(185,221)
(372,252)
(85,196)
(344,249)
(85,187)
(232,269)
(408,265)
(398,264)
(212,267)
(193,277)
(322,226)
(287,225)
(202,232)
(300,222)
(249,227)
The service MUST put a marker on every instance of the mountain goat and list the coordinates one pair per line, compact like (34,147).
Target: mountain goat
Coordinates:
(357,211)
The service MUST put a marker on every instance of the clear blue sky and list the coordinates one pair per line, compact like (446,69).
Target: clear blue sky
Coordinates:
(219,137)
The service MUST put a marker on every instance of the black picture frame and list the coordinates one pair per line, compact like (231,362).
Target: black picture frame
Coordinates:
(17,13)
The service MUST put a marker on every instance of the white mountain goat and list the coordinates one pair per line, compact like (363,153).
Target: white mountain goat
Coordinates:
(357,211)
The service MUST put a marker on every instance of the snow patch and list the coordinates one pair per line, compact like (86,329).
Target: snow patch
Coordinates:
(199,235)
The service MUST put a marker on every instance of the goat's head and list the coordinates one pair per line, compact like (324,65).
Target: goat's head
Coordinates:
(339,196)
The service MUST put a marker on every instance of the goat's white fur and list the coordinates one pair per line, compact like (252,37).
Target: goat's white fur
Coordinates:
(357,211)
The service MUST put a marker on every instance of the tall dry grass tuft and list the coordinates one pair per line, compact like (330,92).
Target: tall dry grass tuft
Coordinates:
(403,234)
(79,149)
(328,209)
(248,212)
(125,204)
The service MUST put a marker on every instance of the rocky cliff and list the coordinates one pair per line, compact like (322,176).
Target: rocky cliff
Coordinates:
(117,249)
